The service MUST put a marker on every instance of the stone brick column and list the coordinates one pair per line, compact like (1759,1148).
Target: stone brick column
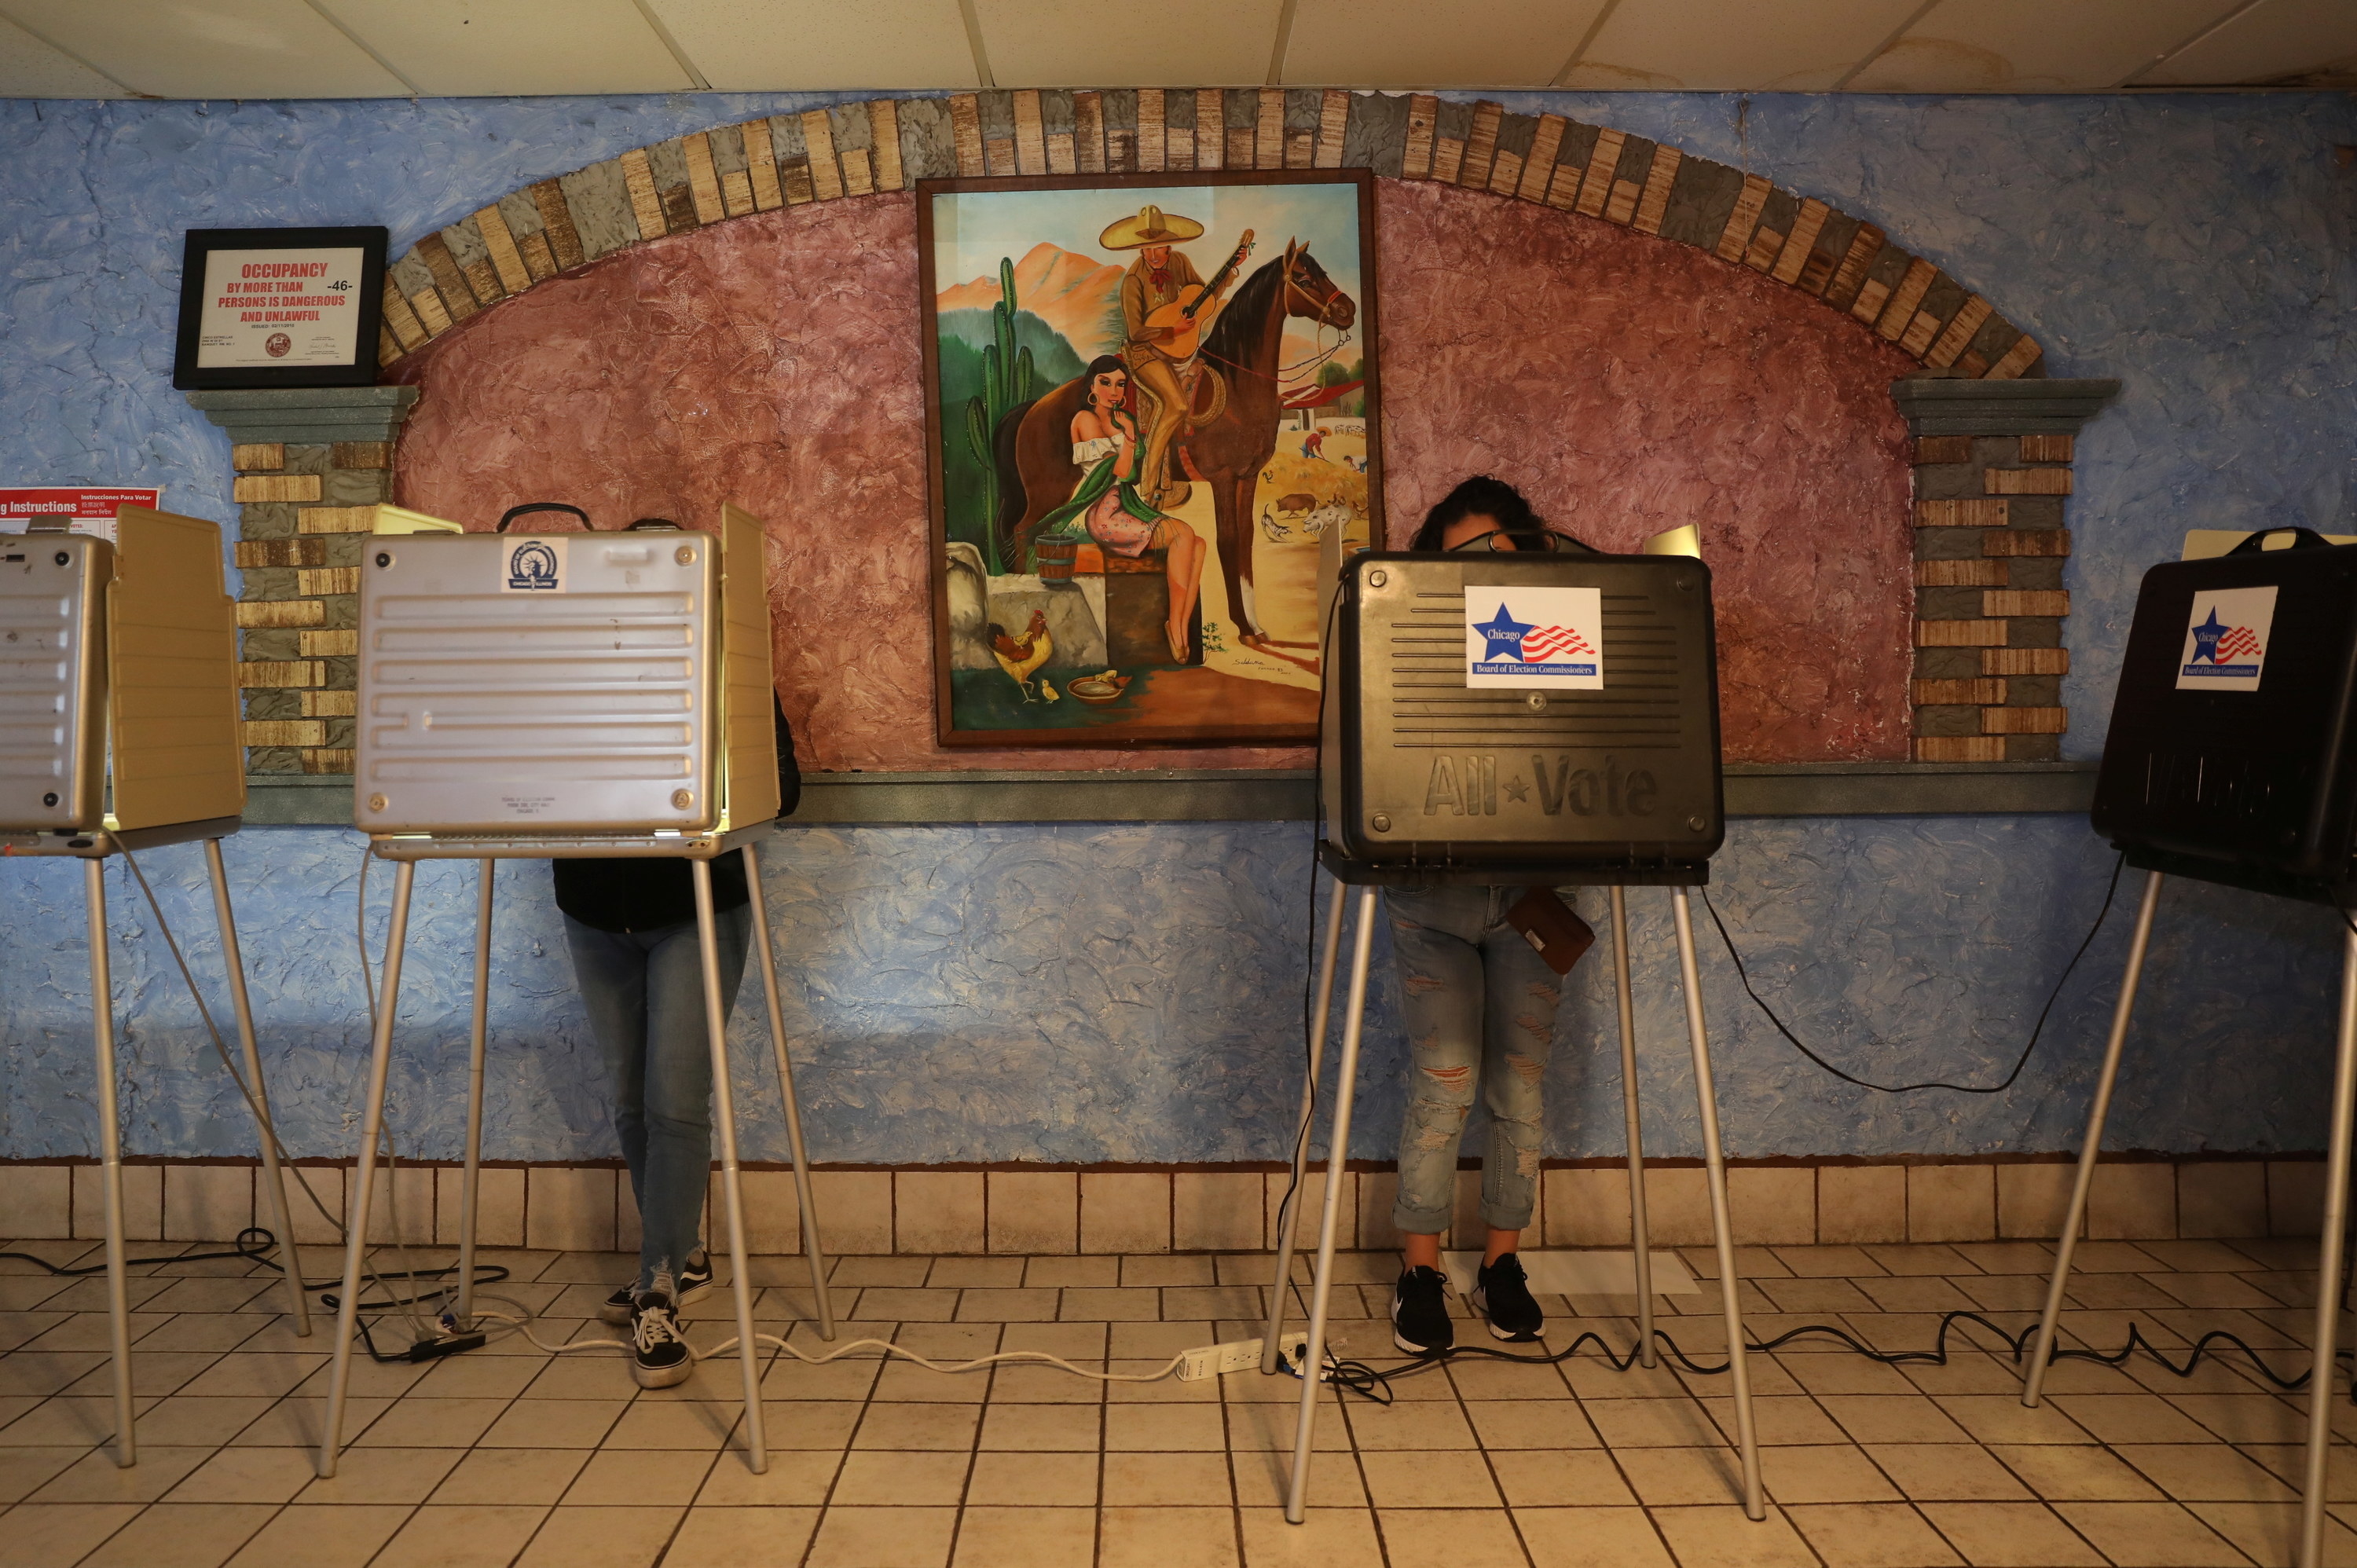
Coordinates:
(310,467)
(1992,475)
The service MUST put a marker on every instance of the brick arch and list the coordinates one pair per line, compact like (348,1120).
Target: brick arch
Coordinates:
(1988,536)
(1626,386)
(694,181)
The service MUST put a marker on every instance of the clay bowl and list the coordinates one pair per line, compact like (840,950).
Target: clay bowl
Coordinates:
(1094,691)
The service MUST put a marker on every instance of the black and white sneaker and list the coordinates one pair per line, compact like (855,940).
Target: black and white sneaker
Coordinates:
(694,1285)
(1503,1296)
(659,1357)
(1420,1312)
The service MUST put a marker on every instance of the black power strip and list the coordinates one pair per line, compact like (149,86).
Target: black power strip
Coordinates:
(442,1345)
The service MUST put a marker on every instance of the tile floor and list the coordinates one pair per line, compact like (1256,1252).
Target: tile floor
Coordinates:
(510,1455)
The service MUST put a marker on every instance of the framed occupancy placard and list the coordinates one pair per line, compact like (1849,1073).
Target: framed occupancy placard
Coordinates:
(280,307)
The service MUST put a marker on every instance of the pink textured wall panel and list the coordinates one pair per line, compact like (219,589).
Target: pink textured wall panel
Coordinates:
(1628,385)
(772,362)
(1625,383)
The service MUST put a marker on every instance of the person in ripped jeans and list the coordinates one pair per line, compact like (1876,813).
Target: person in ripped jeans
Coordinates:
(630,925)
(1479,1005)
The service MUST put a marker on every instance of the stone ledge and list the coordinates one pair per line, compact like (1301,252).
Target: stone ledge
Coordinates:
(1243,795)
(1943,405)
(307,416)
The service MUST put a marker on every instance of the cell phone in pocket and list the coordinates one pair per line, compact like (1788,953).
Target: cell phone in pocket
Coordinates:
(1552,926)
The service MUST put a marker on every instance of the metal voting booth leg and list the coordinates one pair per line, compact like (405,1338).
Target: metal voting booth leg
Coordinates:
(274,1181)
(110,1130)
(1746,1435)
(110,1150)
(2322,1367)
(1641,1235)
(741,1283)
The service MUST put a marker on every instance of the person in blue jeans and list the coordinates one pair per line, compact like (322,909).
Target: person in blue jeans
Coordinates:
(630,925)
(1479,1005)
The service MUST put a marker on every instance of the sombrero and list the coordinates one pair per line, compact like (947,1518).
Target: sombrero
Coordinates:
(1152,226)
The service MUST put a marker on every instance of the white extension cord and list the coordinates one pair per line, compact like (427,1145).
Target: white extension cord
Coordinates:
(1039,1357)
(1202,1362)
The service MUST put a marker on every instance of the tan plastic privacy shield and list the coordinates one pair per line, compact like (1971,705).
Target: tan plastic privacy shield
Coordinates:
(750,695)
(172,686)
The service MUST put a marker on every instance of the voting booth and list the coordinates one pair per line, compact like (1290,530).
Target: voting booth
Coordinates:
(2232,759)
(1537,719)
(118,734)
(556,696)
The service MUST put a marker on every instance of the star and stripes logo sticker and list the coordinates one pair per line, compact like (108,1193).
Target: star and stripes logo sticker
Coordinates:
(1546,644)
(2240,642)
(1534,637)
(2226,640)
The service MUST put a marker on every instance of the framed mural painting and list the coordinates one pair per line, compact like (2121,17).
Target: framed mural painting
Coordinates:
(1149,398)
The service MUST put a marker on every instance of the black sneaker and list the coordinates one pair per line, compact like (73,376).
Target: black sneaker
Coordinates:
(694,1285)
(1503,1296)
(659,1357)
(1420,1312)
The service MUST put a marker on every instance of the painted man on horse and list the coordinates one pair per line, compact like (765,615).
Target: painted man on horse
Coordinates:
(1162,358)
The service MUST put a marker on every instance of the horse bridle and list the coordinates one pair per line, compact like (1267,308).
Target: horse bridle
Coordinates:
(1293,288)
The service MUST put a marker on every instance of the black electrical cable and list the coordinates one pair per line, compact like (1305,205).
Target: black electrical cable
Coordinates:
(1360,1378)
(262,1118)
(239,1249)
(1999,1088)
(258,1250)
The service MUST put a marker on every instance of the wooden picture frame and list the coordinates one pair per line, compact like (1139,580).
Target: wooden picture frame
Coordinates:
(1057,579)
(270,307)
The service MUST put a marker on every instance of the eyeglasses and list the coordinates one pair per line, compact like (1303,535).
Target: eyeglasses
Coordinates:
(1499,540)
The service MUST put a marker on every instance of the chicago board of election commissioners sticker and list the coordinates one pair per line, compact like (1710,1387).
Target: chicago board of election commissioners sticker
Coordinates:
(1533,637)
(2226,639)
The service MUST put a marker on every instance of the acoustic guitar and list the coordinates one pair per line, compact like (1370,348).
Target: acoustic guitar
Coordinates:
(1178,317)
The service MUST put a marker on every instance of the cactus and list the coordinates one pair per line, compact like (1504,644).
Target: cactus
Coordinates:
(1007,383)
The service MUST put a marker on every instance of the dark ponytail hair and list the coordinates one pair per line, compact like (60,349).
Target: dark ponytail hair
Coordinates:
(1489,496)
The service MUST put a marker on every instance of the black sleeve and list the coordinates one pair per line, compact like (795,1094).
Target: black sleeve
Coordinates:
(790,773)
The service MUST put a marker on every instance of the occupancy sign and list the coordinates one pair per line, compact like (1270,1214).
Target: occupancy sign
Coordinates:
(85,508)
(280,307)
(1533,637)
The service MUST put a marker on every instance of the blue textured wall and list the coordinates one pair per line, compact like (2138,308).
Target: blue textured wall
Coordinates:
(1131,993)
(1126,992)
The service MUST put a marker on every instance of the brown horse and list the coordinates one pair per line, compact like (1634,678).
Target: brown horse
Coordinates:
(1228,442)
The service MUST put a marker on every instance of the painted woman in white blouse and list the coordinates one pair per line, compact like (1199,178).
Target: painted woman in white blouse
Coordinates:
(1108,505)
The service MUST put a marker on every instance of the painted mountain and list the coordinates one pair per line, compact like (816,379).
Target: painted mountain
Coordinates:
(1073,293)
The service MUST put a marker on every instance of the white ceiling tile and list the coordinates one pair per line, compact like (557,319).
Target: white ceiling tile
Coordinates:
(1077,43)
(1727,46)
(780,45)
(2034,46)
(482,48)
(212,48)
(31,68)
(1412,43)
(2279,39)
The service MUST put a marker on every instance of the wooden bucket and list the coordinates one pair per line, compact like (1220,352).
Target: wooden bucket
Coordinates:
(1056,557)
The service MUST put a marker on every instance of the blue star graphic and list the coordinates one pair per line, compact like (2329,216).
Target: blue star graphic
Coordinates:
(1505,635)
(2205,638)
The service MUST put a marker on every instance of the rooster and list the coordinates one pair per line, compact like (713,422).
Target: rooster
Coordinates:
(1020,656)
